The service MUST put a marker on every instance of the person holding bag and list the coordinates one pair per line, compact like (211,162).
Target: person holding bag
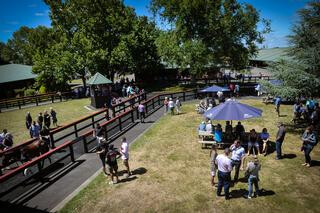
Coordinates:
(309,141)
(252,173)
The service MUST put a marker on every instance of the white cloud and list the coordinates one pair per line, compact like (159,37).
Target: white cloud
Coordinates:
(39,14)
(32,5)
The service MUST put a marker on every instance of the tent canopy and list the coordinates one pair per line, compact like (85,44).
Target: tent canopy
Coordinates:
(232,110)
(98,79)
(215,88)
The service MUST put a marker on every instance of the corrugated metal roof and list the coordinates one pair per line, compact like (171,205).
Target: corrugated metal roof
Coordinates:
(272,54)
(98,79)
(15,72)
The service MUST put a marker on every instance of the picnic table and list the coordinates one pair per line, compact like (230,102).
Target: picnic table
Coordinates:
(207,138)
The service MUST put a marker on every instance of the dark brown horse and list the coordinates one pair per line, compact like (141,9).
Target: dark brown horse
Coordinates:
(25,154)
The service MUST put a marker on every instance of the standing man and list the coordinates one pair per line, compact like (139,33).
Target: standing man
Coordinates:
(102,150)
(99,134)
(112,164)
(34,130)
(28,120)
(224,173)
(309,139)
(178,105)
(40,120)
(252,173)
(46,119)
(54,117)
(237,90)
(171,106)
(279,140)
(125,155)
(238,154)
(141,110)
(277,103)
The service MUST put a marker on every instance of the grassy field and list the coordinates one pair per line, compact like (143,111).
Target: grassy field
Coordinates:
(67,111)
(172,173)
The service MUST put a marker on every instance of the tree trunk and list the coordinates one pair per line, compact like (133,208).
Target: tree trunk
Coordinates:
(84,82)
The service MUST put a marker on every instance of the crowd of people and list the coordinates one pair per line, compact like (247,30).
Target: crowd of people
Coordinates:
(171,105)
(225,165)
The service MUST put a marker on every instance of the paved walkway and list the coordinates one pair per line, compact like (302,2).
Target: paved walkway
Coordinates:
(55,187)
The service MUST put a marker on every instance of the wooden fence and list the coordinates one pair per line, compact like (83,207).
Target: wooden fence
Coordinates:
(36,100)
(84,141)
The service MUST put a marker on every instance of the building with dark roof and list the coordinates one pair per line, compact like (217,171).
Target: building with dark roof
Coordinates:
(15,76)
(265,56)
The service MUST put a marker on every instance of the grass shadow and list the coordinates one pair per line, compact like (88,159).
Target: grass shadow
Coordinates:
(289,156)
(128,179)
(238,193)
(315,163)
(271,147)
(139,171)
(264,192)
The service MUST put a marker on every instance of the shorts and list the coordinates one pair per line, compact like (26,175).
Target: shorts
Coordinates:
(100,140)
(250,144)
(111,168)
(213,173)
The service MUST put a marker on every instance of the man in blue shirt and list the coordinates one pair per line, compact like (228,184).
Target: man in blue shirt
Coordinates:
(277,103)
(238,154)
(202,126)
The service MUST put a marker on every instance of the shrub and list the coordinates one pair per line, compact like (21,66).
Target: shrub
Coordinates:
(29,92)
(42,90)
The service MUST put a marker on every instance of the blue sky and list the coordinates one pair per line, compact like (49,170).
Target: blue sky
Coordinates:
(31,13)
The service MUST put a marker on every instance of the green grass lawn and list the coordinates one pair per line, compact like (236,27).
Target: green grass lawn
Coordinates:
(177,177)
(67,112)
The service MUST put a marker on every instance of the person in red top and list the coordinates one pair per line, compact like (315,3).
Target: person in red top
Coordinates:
(231,87)
(165,103)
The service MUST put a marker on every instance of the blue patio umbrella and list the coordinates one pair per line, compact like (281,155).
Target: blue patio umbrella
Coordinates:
(232,110)
(215,88)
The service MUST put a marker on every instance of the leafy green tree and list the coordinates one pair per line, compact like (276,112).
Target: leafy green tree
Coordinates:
(305,38)
(225,28)
(2,49)
(54,67)
(119,40)
(296,81)
(26,42)
(18,49)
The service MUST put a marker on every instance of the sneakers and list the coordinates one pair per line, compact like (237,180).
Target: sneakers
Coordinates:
(304,164)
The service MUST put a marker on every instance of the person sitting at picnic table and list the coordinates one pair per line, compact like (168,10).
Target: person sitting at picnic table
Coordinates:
(228,128)
(265,139)
(253,141)
(202,126)
(218,133)
(209,127)
(240,131)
